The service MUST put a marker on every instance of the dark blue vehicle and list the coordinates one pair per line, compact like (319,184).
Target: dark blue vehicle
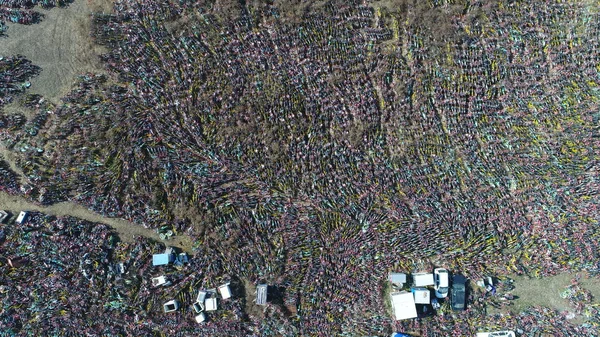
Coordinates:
(458,292)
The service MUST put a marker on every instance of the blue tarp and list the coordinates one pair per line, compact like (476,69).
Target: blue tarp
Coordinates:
(162,259)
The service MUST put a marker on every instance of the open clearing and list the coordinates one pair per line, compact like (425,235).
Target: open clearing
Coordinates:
(546,292)
(60,45)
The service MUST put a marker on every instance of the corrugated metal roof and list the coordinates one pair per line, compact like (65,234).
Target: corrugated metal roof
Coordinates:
(261,294)
(403,305)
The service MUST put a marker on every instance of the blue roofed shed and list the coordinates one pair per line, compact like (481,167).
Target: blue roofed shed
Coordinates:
(162,259)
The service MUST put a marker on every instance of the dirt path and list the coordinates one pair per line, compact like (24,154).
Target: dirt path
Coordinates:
(127,230)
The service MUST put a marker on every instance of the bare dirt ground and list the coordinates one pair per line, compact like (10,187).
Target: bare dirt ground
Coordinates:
(546,292)
(60,45)
(126,230)
(10,158)
(252,308)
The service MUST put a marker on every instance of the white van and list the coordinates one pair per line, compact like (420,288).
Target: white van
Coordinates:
(422,279)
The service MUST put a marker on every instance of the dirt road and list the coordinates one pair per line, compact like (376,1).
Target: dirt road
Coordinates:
(126,230)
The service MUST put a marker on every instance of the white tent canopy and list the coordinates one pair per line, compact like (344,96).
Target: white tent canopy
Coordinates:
(403,304)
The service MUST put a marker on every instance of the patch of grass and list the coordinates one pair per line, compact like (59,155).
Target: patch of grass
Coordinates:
(546,292)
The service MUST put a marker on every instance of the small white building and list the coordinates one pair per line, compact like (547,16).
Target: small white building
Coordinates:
(22,217)
(397,278)
(225,291)
(3,216)
(200,318)
(210,304)
(171,306)
(422,295)
(198,307)
(162,259)
(422,279)
(403,305)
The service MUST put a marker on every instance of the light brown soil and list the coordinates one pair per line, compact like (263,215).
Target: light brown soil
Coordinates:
(252,308)
(10,158)
(546,292)
(126,230)
(60,45)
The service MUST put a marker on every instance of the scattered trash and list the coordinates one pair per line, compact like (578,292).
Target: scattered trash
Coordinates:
(160,281)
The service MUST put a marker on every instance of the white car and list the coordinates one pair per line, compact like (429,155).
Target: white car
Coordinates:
(440,277)
(496,334)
